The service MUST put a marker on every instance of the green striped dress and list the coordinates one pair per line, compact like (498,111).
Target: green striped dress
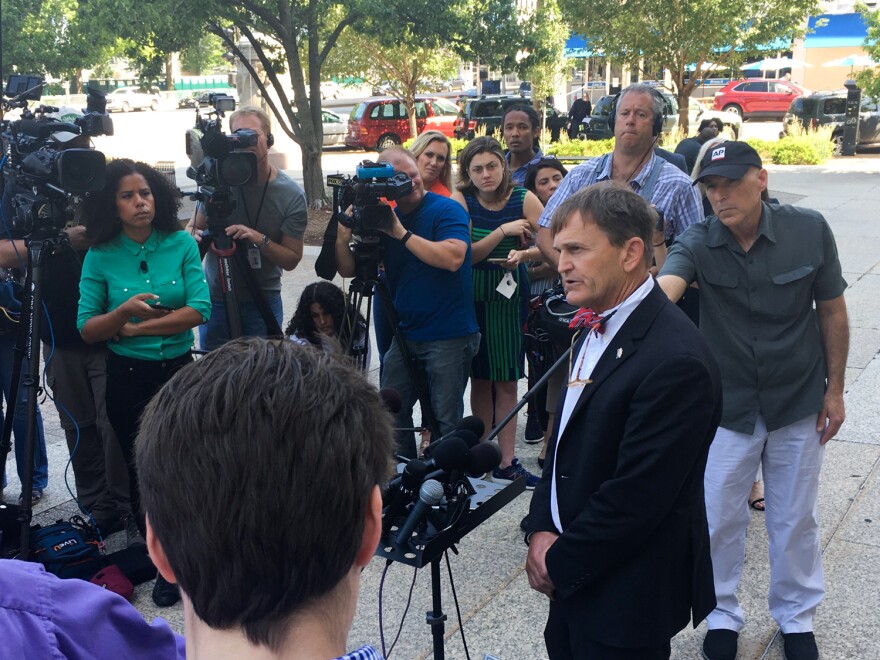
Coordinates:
(501,319)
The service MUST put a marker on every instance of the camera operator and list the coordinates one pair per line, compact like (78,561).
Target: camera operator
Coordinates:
(269,222)
(428,270)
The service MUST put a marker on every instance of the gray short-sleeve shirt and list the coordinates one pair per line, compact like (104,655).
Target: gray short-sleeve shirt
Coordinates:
(283,212)
(756,311)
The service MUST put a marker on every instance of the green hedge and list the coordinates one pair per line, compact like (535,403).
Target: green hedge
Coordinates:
(801,147)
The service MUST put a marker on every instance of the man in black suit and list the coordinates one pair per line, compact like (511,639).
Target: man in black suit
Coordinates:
(617,528)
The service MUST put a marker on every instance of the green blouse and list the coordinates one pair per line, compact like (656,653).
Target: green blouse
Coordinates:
(167,265)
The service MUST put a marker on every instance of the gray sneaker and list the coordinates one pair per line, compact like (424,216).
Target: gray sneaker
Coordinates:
(133,536)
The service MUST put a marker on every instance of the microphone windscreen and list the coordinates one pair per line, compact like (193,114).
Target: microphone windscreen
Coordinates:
(473,424)
(391,398)
(450,454)
(483,458)
(470,438)
(431,492)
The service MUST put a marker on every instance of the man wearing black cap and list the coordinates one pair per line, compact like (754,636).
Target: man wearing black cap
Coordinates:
(760,268)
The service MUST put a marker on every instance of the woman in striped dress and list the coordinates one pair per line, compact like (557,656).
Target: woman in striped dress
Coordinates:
(503,219)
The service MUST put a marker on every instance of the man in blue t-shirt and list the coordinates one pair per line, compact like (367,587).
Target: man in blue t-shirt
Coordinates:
(428,269)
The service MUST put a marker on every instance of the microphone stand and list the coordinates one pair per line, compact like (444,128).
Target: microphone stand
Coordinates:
(528,395)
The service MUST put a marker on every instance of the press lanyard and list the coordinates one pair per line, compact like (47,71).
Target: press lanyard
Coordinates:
(256,223)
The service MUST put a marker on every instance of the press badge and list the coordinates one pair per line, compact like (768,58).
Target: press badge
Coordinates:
(254,258)
(507,285)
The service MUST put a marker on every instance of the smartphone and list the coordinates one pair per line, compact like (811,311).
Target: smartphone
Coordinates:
(165,308)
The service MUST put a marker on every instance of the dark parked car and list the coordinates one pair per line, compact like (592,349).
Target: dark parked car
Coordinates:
(829,109)
(752,98)
(598,129)
(190,100)
(485,113)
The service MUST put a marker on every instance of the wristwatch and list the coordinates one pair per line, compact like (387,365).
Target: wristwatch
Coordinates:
(264,242)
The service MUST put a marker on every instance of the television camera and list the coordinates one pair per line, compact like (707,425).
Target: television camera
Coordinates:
(47,176)
(217,159)
(363,192)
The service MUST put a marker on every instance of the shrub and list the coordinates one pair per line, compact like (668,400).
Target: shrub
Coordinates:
(799,147)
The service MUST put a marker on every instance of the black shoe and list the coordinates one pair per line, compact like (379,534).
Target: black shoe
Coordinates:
(799,646)
(720,644)
(534,432)
(110,525)
(524,523)
(133,536)
(165,594)
(540,462)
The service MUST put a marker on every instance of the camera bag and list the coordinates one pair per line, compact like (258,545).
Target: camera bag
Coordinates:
(66,552)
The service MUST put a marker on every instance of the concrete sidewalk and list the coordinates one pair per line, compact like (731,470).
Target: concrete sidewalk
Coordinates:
(504,618)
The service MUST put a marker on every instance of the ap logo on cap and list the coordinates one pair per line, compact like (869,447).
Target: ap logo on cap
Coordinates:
(718,153)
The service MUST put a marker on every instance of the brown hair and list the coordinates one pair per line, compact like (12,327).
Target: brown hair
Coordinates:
(482,145)
(618,211)
(257,464)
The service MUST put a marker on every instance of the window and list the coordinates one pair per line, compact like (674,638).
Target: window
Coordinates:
(751,87)
(421,110)
(834,106)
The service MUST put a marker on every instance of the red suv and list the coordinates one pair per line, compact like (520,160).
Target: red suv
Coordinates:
(756,97)
(380,123)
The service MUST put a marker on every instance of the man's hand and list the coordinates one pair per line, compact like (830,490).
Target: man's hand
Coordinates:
(831,417)
(77,237)
(536,565)
(244,233)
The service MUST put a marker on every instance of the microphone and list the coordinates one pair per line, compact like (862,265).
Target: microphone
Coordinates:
(391,399)
(143,266)
(430,494)
(449,454)
(482,458)
(465,428)
(400,490)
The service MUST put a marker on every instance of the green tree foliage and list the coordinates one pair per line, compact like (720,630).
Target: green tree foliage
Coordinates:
(677,33)
(543,63)
(408,69)
(869,79)
(204,56)
(54,37)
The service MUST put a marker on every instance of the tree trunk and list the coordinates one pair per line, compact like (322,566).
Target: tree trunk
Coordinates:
(313,176)
(169,72)
(77,81)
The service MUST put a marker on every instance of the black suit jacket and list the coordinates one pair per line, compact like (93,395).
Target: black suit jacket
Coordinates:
(632,565)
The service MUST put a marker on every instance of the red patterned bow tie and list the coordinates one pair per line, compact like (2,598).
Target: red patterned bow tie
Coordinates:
(586,317)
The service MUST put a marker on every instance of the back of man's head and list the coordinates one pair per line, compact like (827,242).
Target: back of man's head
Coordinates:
(257,465)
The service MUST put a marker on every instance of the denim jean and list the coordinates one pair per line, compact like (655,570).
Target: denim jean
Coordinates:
(19,421)
(447,366)
(215,332)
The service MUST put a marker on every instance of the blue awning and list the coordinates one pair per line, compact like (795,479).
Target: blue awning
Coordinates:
(576,46)
(836,31)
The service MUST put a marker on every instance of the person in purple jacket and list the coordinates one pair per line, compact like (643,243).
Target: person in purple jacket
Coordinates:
(260,468)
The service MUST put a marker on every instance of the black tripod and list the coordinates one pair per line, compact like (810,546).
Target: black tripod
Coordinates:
(367,257)
(28,346)
(218,204)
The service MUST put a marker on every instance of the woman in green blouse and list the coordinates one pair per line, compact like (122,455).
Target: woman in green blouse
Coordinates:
(142,291)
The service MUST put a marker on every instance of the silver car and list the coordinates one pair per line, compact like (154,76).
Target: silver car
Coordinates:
(125,99)
(335,128)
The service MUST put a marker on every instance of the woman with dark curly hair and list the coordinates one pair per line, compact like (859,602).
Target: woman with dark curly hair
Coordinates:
(142,291)
(321,314)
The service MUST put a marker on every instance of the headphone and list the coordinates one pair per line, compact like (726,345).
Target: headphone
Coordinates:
(270,140)
(658,120)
